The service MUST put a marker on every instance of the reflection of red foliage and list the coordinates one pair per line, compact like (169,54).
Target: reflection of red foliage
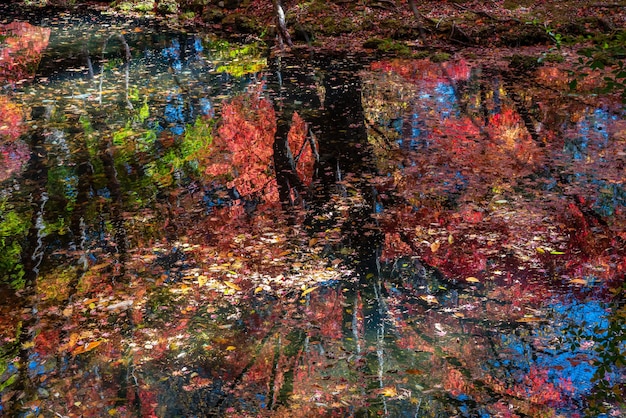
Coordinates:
(541,391)
(245,139)
(10,120)
(425,70)
(300,149)
(21,50)
(47,342)
(455,383)
(394,247)
(328,312)
(242,152)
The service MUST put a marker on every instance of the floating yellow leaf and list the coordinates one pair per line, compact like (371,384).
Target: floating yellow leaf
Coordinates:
(258,289)
(312,242)
(541,250)
(529,318)
(202,279)
(434,247)
(578,281)
(232,285)
(27,345)
(231,348)
(472,280)
(389,391)
(557,252)
(429,298)
(307,291)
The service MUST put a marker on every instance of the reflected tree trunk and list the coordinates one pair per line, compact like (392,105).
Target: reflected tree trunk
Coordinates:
(116,208)
(32,258)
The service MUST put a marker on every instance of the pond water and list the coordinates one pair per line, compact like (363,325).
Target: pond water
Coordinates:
(192,228)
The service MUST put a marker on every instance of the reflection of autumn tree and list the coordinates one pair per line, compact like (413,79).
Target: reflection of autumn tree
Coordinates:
(474,193)
(21,46)
(464,171)
(242,152)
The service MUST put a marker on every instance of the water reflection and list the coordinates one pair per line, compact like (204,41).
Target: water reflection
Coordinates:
(304,236)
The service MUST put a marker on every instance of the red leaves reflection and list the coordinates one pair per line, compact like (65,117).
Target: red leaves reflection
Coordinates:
(20,50)
(243,147)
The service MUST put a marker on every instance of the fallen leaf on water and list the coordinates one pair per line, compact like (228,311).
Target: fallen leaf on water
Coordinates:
(120,305)
(389,391)
(579,281)
(472,280)
(434,247)
(429,298)
(86,347)
(526,319)
(232,285)
(231,348)
(258,289)
(414,372)
(307,291)
(202,279)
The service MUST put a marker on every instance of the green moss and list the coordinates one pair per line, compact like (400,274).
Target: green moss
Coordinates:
(240,22)
(524,62)
(420,55)
(135,6)
(440,57)
(188,16)
(553,58)
(388,46)
(330,25)
(167,7)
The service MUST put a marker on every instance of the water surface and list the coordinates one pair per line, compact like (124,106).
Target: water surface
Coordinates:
(196,228)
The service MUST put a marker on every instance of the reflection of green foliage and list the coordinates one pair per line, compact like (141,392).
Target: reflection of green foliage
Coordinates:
(86,124)
(13,228)
(241,68)
(133,94)
(10,380)
(59,227)
(62,182)
(237,60)
(197,138)
(122,135)
(144,112)
(112,64)
(183,155)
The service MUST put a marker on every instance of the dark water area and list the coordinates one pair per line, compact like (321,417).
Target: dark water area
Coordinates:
(192,227)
